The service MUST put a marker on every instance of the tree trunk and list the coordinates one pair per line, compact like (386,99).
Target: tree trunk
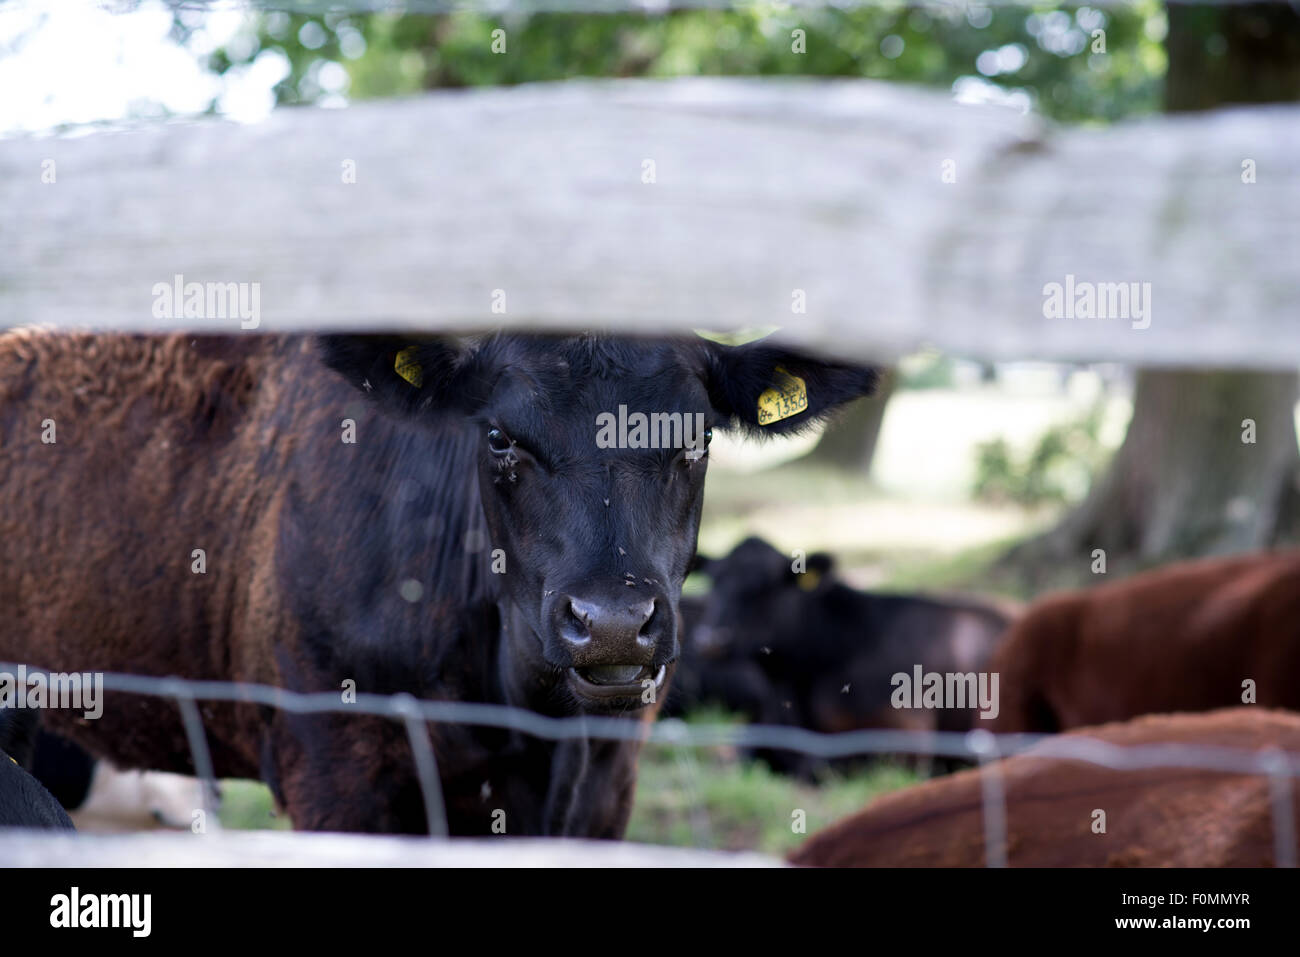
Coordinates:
(849,442)
(1187,480)
(1184,482)
(1246,53)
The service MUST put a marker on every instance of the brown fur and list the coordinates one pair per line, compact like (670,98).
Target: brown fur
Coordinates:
(142,416)
(1157,817)
(1180,638)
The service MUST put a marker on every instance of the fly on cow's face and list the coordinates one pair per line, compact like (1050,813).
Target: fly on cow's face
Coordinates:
(696,452)
(506,454)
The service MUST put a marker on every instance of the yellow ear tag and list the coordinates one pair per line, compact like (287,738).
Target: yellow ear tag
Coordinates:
(788,396)
(809,580)
(408,368)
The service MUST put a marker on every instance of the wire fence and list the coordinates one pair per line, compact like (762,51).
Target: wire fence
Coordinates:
(979,746)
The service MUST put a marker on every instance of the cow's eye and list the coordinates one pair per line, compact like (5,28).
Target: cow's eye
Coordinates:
(696,450)
(498,442)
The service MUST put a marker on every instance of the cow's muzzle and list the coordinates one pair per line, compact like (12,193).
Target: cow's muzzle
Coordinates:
(618,683)
(615,643)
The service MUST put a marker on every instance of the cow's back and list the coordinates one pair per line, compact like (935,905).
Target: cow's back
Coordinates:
(139,538)
(1180,638)
(1180,817)
(150,437)
(25,803)
(891,634)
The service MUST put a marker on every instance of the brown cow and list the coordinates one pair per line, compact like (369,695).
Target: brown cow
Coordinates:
(1172,816)
(1180,638)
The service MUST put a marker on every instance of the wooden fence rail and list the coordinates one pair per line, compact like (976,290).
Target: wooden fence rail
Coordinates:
(288,849)
(670,205)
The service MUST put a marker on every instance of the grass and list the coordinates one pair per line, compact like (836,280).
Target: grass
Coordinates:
(711,798)
(247,806)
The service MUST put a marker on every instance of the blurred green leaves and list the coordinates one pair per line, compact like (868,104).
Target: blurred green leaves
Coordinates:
(1058,469)
(1040,53)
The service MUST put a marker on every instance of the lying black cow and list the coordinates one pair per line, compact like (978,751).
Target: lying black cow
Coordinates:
(24,802)
(781,646)
(230,508)
(711,672)
(64,768)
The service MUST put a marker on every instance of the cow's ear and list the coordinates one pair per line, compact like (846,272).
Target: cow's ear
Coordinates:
(405,374)
(769,390)
(821,563)
(816,573)
(700,563)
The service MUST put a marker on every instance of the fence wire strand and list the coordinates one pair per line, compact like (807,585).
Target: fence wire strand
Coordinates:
(1281,789)
(200,755)
(426,764)
(986,749)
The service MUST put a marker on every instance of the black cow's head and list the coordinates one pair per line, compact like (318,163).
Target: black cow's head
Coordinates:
(757,595)
(596,530)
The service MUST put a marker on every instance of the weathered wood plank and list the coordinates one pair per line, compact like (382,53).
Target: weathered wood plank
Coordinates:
(762,187)
(287,849)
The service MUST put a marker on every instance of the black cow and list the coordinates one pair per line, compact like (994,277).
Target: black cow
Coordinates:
(24,802)
(64,768)
(711,672)
(229,508)
(798,647)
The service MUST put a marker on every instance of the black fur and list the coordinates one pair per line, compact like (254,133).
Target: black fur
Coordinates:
(784,647)
(569,518)
(64,768)
(23,801)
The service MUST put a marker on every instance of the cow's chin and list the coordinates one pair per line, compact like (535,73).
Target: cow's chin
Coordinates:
(617,687)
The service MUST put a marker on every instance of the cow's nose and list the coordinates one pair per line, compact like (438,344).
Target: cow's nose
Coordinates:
(608,632)
(614,623)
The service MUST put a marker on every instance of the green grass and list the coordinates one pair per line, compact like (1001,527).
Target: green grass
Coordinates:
(711,798)
(247,806)
(727,804)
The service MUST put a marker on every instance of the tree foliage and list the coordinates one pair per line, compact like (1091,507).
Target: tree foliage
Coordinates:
(1075,64)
